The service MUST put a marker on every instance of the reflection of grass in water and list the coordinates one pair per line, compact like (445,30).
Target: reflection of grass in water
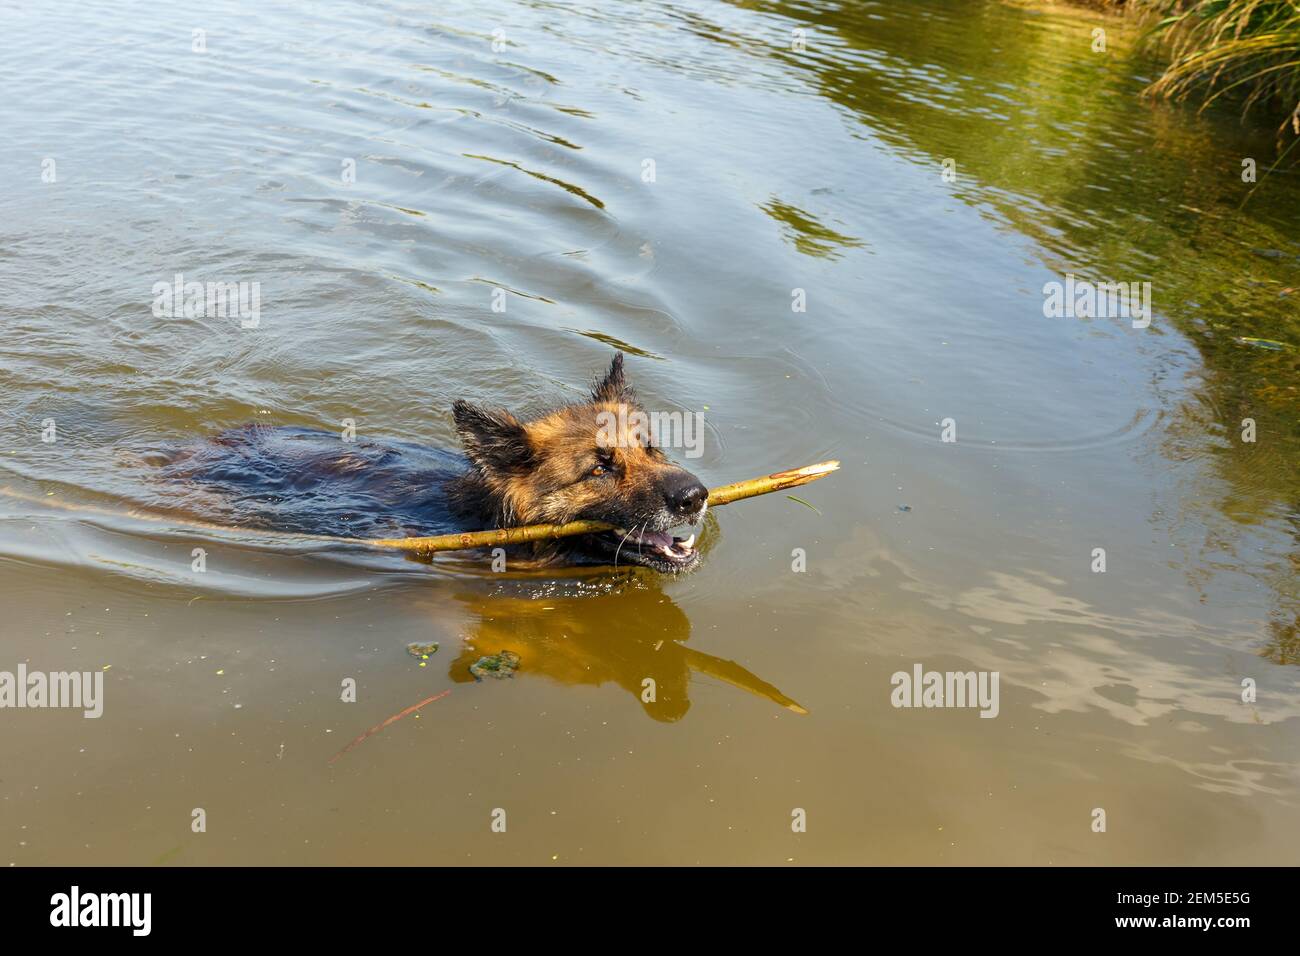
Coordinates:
(1165,202)
(1247,49)
(809,236)
(1283,645)
(567,187)
(617,343)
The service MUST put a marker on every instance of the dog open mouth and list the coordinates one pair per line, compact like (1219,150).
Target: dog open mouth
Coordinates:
(661,550)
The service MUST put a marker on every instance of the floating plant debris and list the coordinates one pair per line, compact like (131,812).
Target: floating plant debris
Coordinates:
(495,665)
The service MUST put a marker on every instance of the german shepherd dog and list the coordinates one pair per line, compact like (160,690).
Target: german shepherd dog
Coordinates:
(565,465)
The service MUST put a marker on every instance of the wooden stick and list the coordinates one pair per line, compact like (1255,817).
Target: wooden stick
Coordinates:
(391,720)
(539,532)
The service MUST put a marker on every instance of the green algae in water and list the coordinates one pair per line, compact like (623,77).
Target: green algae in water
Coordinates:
(416,649)
(495,665)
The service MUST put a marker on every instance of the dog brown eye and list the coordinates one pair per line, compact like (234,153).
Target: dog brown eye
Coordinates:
(598,471)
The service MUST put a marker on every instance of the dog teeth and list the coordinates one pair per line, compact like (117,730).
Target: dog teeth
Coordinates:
(688,543)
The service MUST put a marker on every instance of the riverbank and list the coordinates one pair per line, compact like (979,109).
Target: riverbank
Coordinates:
(1243,51)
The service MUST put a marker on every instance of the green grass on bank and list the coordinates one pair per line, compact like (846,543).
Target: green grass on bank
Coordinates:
(1246,50)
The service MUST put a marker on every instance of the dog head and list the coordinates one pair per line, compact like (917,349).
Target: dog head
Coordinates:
(594,460)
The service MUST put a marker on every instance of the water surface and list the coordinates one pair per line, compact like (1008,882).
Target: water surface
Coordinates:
(382,169)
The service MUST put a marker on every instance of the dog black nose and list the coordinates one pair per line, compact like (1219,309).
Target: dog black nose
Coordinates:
(687,496)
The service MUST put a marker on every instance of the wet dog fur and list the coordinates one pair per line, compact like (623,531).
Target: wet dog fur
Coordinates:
(564,465)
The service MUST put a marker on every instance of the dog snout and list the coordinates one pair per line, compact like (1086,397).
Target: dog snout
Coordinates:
(686,496)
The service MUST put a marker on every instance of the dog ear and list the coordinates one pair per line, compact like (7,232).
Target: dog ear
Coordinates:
(613,387)
(494,440)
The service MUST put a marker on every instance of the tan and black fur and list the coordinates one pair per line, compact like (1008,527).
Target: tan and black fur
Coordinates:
(560,467)
(556,467)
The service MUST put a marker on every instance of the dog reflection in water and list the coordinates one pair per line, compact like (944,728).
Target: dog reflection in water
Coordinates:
(629,638)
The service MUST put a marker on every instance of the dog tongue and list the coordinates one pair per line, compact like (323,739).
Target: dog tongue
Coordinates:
(657,539)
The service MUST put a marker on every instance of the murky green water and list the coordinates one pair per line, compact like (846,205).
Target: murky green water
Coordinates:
(130,157)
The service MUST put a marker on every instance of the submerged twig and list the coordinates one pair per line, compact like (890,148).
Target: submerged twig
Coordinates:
(391,720)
